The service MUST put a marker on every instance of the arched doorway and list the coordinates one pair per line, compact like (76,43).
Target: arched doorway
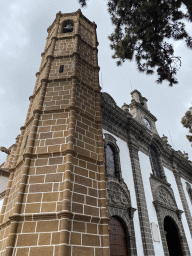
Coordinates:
(172,235)
(119,244)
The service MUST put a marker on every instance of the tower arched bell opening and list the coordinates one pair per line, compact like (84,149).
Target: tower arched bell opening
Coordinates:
(173,238)
(68,26)
(118,237)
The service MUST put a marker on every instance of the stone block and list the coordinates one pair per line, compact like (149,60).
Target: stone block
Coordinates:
(42,251)
(54,177)
(48,207)
(44,239)
(47,226)
(90,240)
(79,226)
(78,208)
(27,240)
(22,252)
(41,188)
(29,227)
(75,238)
(83,251)
(32,208)
(37,179)
(89,210)
(92,228)
(48,197)
(55,238)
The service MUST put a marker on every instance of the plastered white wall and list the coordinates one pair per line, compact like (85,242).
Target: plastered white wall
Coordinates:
(1,204)
(128,178)
(146,170)
(172,181)
(186,194)
(3,183)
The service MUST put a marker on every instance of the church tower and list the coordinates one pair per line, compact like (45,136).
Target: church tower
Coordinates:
(55,203)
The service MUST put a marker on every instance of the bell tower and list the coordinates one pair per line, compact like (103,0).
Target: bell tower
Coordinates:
(55,203)
(140,112)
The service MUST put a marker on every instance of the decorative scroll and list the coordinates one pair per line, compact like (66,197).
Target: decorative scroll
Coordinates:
(165,197)
(117,196)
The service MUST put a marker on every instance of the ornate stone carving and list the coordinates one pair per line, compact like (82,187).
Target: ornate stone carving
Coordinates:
(117,196)
(165,197)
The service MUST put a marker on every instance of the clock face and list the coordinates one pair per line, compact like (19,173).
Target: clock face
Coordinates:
(147,123)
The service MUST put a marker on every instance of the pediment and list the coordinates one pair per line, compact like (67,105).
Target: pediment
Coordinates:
(117,196)
(164,196)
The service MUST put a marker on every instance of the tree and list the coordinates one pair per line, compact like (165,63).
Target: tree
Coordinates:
(142,30)
(187,122)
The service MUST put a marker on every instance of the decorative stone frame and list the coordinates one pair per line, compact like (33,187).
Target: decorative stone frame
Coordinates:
(166,206)
(159,159)
(111,141)
(123,210)
(189,191)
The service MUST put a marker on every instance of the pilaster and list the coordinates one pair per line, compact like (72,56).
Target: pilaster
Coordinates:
(183,197)
(141,199)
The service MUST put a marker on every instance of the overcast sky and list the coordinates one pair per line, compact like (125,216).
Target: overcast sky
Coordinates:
(23,32)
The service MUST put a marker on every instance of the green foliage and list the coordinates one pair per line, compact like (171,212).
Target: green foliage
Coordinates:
(142,28)
(187,123)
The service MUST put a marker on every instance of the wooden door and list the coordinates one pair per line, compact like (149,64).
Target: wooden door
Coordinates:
(117,238)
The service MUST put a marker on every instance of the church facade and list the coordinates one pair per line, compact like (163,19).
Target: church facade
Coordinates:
(86,177)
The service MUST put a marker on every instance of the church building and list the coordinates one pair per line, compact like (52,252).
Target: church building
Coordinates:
(86,177)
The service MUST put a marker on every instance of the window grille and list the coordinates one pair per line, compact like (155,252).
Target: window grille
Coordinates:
(155,162)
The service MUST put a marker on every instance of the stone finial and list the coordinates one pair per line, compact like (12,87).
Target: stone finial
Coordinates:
(79,11)
(136,96)
(164,138)
(185,155)
(125,107)
(58,14)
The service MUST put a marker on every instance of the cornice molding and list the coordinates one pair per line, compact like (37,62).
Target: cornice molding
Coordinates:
(51,216)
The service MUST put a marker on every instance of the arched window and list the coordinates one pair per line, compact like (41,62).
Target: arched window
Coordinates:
(68,26)
(155,163)
(110,160)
